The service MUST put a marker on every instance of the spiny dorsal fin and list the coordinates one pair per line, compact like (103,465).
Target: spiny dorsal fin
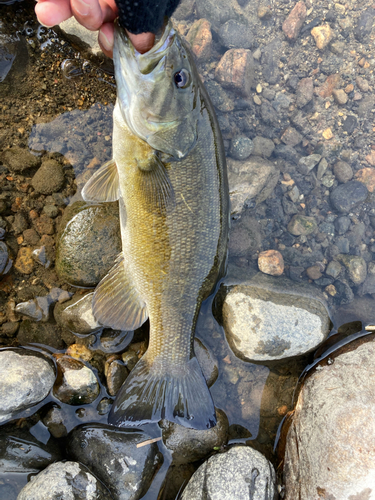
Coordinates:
(103,185)
(154,182)
(116,302)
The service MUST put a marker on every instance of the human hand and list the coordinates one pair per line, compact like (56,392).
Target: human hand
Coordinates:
(93,15)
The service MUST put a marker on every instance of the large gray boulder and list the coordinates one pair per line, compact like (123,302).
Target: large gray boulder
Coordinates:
(242,473)
(330,443)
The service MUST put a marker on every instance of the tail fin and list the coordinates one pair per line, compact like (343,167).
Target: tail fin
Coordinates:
(153,392)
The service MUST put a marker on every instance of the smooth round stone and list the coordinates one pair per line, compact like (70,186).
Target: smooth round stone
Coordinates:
(234,35)
(89,243)
(347,196)
(113,456)
(241,147)
(25,380)
(67,480)
(236,474)
(302,225)
(271,262)
(343,171)
(329,445)
(356,267)
(49,178)
(76,384)
(189,445)
(267,324)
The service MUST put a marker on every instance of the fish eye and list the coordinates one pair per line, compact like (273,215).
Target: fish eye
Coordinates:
(182,79)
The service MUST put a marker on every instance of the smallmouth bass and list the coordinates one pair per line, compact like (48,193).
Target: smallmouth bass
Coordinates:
(168,173)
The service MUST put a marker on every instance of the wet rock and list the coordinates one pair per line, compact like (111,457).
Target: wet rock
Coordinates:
(75,384)
(241,147)
(362,84)
(5,261)
(347,196)
(268,324)
(245,237)
(234,35)
(216,11)
(291,137)
(343,171)
(235,71)
(254,178)
(112,455)
(314,272)
(49,178)
(364,24)
(18,159)
(36,309)
(44,225)
(51,211)
(332,82)
(24,381)
(340,96)
(24,263)
(9,329)
(200,38)
(64,480)
(307,163)
(40,333)
(207,362)
(270,59)
(43,256)
(367,177)
(333,269)
(21,452)
(356,267)
(218,96)
(20,223)
(305,91)
(31,237)
(329,436)
(54,420)
(293,23)
(190,445)
(184,10)
(116,374)
(349,124)
(262,147)
(271,262)
(238,473)
(76,315)
(302,225)
(342,224)
(322,35)
(368,286)
(89,244)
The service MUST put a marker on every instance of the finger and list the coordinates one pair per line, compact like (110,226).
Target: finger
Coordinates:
(52,12)
(88,13)
(142,42)
(105,39)
(109,10)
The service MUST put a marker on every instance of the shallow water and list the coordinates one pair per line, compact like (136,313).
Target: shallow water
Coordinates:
(54,100)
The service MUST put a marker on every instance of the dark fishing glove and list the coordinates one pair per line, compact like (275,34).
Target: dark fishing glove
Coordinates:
(143,16)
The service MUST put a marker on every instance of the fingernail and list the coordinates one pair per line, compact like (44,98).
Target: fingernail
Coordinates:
(82,7)
(45,25)
(104,41)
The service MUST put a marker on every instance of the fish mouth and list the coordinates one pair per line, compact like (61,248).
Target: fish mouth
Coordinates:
(126,54)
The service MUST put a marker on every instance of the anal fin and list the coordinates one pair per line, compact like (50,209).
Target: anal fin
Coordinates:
(103,185)
(116,302)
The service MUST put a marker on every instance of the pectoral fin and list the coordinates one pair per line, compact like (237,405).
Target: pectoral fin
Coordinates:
(116,302)
(154,182)
(103,185)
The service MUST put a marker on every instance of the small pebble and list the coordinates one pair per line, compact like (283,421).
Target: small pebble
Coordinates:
(322,35)
(271,262)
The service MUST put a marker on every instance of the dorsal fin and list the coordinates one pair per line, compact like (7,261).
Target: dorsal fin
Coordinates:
(116,302)
(103,185)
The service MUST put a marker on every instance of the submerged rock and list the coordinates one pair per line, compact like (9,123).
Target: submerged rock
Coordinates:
(68,480)
(241,473)
(251,180)
(330,446)
(265,321)
(89,244)
(76,383)
(25,380)
(207,362)
(49,178)
(112,455)
(190,445)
